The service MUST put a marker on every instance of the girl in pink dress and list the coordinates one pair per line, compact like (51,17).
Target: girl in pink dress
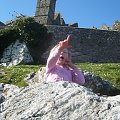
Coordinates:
(59,66)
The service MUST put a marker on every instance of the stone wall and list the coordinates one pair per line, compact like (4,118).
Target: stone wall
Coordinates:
(45,11)
(88,45)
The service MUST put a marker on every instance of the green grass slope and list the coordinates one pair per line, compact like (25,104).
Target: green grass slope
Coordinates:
(15,75)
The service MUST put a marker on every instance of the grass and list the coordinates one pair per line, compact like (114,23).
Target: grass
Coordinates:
(107,71)
(16,74)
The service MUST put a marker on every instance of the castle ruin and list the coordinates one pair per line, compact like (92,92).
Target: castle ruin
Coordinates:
(88,45)
(45,11)
(45,14)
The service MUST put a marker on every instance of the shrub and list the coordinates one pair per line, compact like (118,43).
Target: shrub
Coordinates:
(7,36)
(26,29)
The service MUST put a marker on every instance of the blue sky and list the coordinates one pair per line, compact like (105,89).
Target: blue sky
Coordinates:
(87,13)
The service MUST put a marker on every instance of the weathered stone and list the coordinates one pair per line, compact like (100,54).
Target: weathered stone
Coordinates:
(99,86)
(45,11)
(88,45)
(2,98)
(37,77)
(1,88)
(10,90)
(15,54)
(59,101)
(92,82)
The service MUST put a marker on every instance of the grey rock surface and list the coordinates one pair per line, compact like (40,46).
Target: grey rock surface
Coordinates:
(59,101)
(15,54)
(95,83)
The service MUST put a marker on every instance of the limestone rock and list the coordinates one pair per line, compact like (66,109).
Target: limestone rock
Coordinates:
(1,87)
(92,81)
(59,101)
(15,54)
(37,77)
(98,85)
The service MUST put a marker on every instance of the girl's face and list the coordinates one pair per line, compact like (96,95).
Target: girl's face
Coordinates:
(63,57)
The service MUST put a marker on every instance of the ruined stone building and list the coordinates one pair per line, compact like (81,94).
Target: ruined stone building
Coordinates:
(45,11)
(45,14)
(88,45)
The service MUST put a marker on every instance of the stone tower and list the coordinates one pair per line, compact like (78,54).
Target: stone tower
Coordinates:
(45,11)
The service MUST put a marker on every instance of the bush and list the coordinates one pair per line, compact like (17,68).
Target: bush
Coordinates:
(7,36)
(26,29)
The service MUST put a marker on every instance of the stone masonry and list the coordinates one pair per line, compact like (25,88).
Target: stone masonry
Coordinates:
(45,14)
(88,45)
(45,11)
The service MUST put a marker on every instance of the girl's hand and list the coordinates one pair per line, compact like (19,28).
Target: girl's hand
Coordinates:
(64,44)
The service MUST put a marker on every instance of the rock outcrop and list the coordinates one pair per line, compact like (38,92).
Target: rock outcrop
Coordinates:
(59,101)
(15,54)
(92,81)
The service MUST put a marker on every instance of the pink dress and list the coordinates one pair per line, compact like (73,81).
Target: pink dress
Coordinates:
(55,72)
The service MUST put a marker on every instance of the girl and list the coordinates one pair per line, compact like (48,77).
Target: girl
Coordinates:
(59,66)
